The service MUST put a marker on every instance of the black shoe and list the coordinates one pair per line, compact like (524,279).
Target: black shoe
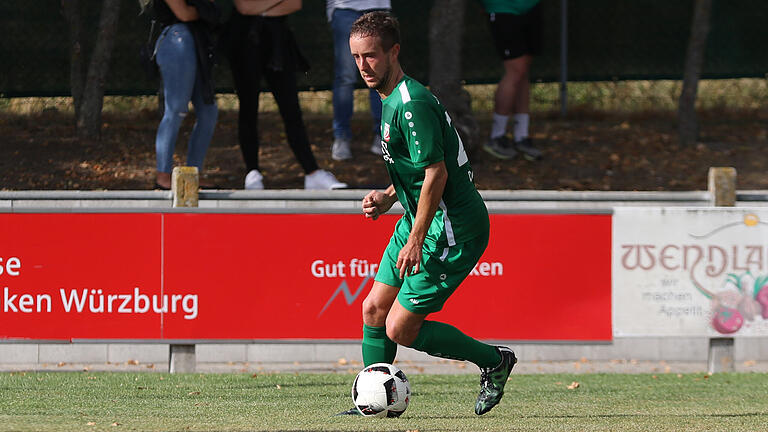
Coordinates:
(159,186)
(525,146)
(500,147)
(352,412)
(492,381)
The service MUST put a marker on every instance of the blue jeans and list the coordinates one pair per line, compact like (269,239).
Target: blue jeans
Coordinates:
(177,59)
(346,75)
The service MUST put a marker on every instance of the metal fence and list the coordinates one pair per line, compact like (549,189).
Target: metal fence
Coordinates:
(606,40)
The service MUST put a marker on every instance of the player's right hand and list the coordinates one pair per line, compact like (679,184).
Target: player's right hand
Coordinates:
(370,205)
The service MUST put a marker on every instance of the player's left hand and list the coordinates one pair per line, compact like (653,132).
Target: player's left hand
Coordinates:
(409,259)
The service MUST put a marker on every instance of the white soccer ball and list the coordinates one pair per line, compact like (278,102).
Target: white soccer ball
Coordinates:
(381,390)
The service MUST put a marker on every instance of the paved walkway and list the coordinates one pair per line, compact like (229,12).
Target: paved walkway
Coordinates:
(436,367)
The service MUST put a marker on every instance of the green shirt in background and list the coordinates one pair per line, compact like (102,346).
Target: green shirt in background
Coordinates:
(517,7)
(416,132)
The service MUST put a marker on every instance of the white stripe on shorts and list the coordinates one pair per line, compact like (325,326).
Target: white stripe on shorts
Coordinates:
(445,254)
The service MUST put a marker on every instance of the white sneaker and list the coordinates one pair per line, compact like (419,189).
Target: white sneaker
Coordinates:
(376,145)
(254,180)
(340,150)
(322,179)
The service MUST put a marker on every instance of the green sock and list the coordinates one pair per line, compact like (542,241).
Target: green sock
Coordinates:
(446,341)
(377,347)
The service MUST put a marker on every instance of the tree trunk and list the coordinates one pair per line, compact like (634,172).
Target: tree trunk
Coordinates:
(71,11)
(89,121)
(88,87)
(688,127)
(446,28)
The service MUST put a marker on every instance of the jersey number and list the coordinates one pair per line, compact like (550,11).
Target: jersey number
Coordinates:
(462,158)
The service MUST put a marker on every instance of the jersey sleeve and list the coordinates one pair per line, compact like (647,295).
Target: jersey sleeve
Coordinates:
(422,130)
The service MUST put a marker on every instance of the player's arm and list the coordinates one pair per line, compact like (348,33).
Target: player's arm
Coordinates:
(377,203)
(435,177)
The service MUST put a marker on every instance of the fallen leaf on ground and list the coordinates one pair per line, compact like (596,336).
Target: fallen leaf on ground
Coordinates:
(573,385)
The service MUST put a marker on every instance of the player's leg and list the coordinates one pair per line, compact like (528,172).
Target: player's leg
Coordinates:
(377,346)
(426,292)
(437,339)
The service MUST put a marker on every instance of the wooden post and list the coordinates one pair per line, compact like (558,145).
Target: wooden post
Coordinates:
(185,183)
(722,188)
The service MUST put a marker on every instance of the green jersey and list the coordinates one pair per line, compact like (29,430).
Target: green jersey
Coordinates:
(517,7)
(416,132)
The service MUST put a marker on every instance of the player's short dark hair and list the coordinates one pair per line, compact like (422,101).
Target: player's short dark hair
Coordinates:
(380,24)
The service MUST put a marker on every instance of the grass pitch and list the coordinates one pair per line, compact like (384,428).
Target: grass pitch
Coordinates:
(88,401)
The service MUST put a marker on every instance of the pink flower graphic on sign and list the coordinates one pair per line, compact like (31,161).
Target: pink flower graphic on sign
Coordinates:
(745,299)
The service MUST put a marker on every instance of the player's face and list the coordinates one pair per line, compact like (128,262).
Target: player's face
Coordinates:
(375,64)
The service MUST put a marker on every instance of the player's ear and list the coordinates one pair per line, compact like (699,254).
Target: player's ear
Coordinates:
(394,52)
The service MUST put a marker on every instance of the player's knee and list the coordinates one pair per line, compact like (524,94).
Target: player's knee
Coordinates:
(393,333)
(373,315)
(400,333)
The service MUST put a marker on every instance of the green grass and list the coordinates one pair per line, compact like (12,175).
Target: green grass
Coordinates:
(232,402)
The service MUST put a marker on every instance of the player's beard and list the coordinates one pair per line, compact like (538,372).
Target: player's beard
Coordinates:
(384,80)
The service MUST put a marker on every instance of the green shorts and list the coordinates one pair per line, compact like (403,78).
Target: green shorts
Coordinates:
(440,274)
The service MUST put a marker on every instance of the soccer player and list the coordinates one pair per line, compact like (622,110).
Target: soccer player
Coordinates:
(444,230)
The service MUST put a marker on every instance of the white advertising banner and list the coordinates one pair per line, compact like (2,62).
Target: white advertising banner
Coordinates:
(690,271)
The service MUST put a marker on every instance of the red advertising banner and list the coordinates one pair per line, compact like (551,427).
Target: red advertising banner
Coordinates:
(79,276)
(284,276)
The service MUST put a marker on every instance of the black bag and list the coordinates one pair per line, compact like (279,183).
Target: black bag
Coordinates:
(147,55)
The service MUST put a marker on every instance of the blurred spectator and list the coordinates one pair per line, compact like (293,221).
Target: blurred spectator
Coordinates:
(516,30)
(341,15)
(260,43)
(185,58)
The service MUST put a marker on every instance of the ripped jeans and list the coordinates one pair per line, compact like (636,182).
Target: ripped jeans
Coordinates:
(177,59)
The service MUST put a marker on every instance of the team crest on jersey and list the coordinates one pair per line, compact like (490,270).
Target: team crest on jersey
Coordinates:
(385,134)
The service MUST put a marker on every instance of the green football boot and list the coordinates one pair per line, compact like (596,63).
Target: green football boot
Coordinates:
(492,381)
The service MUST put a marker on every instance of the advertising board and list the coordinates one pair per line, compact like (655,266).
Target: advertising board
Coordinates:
(283,276)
